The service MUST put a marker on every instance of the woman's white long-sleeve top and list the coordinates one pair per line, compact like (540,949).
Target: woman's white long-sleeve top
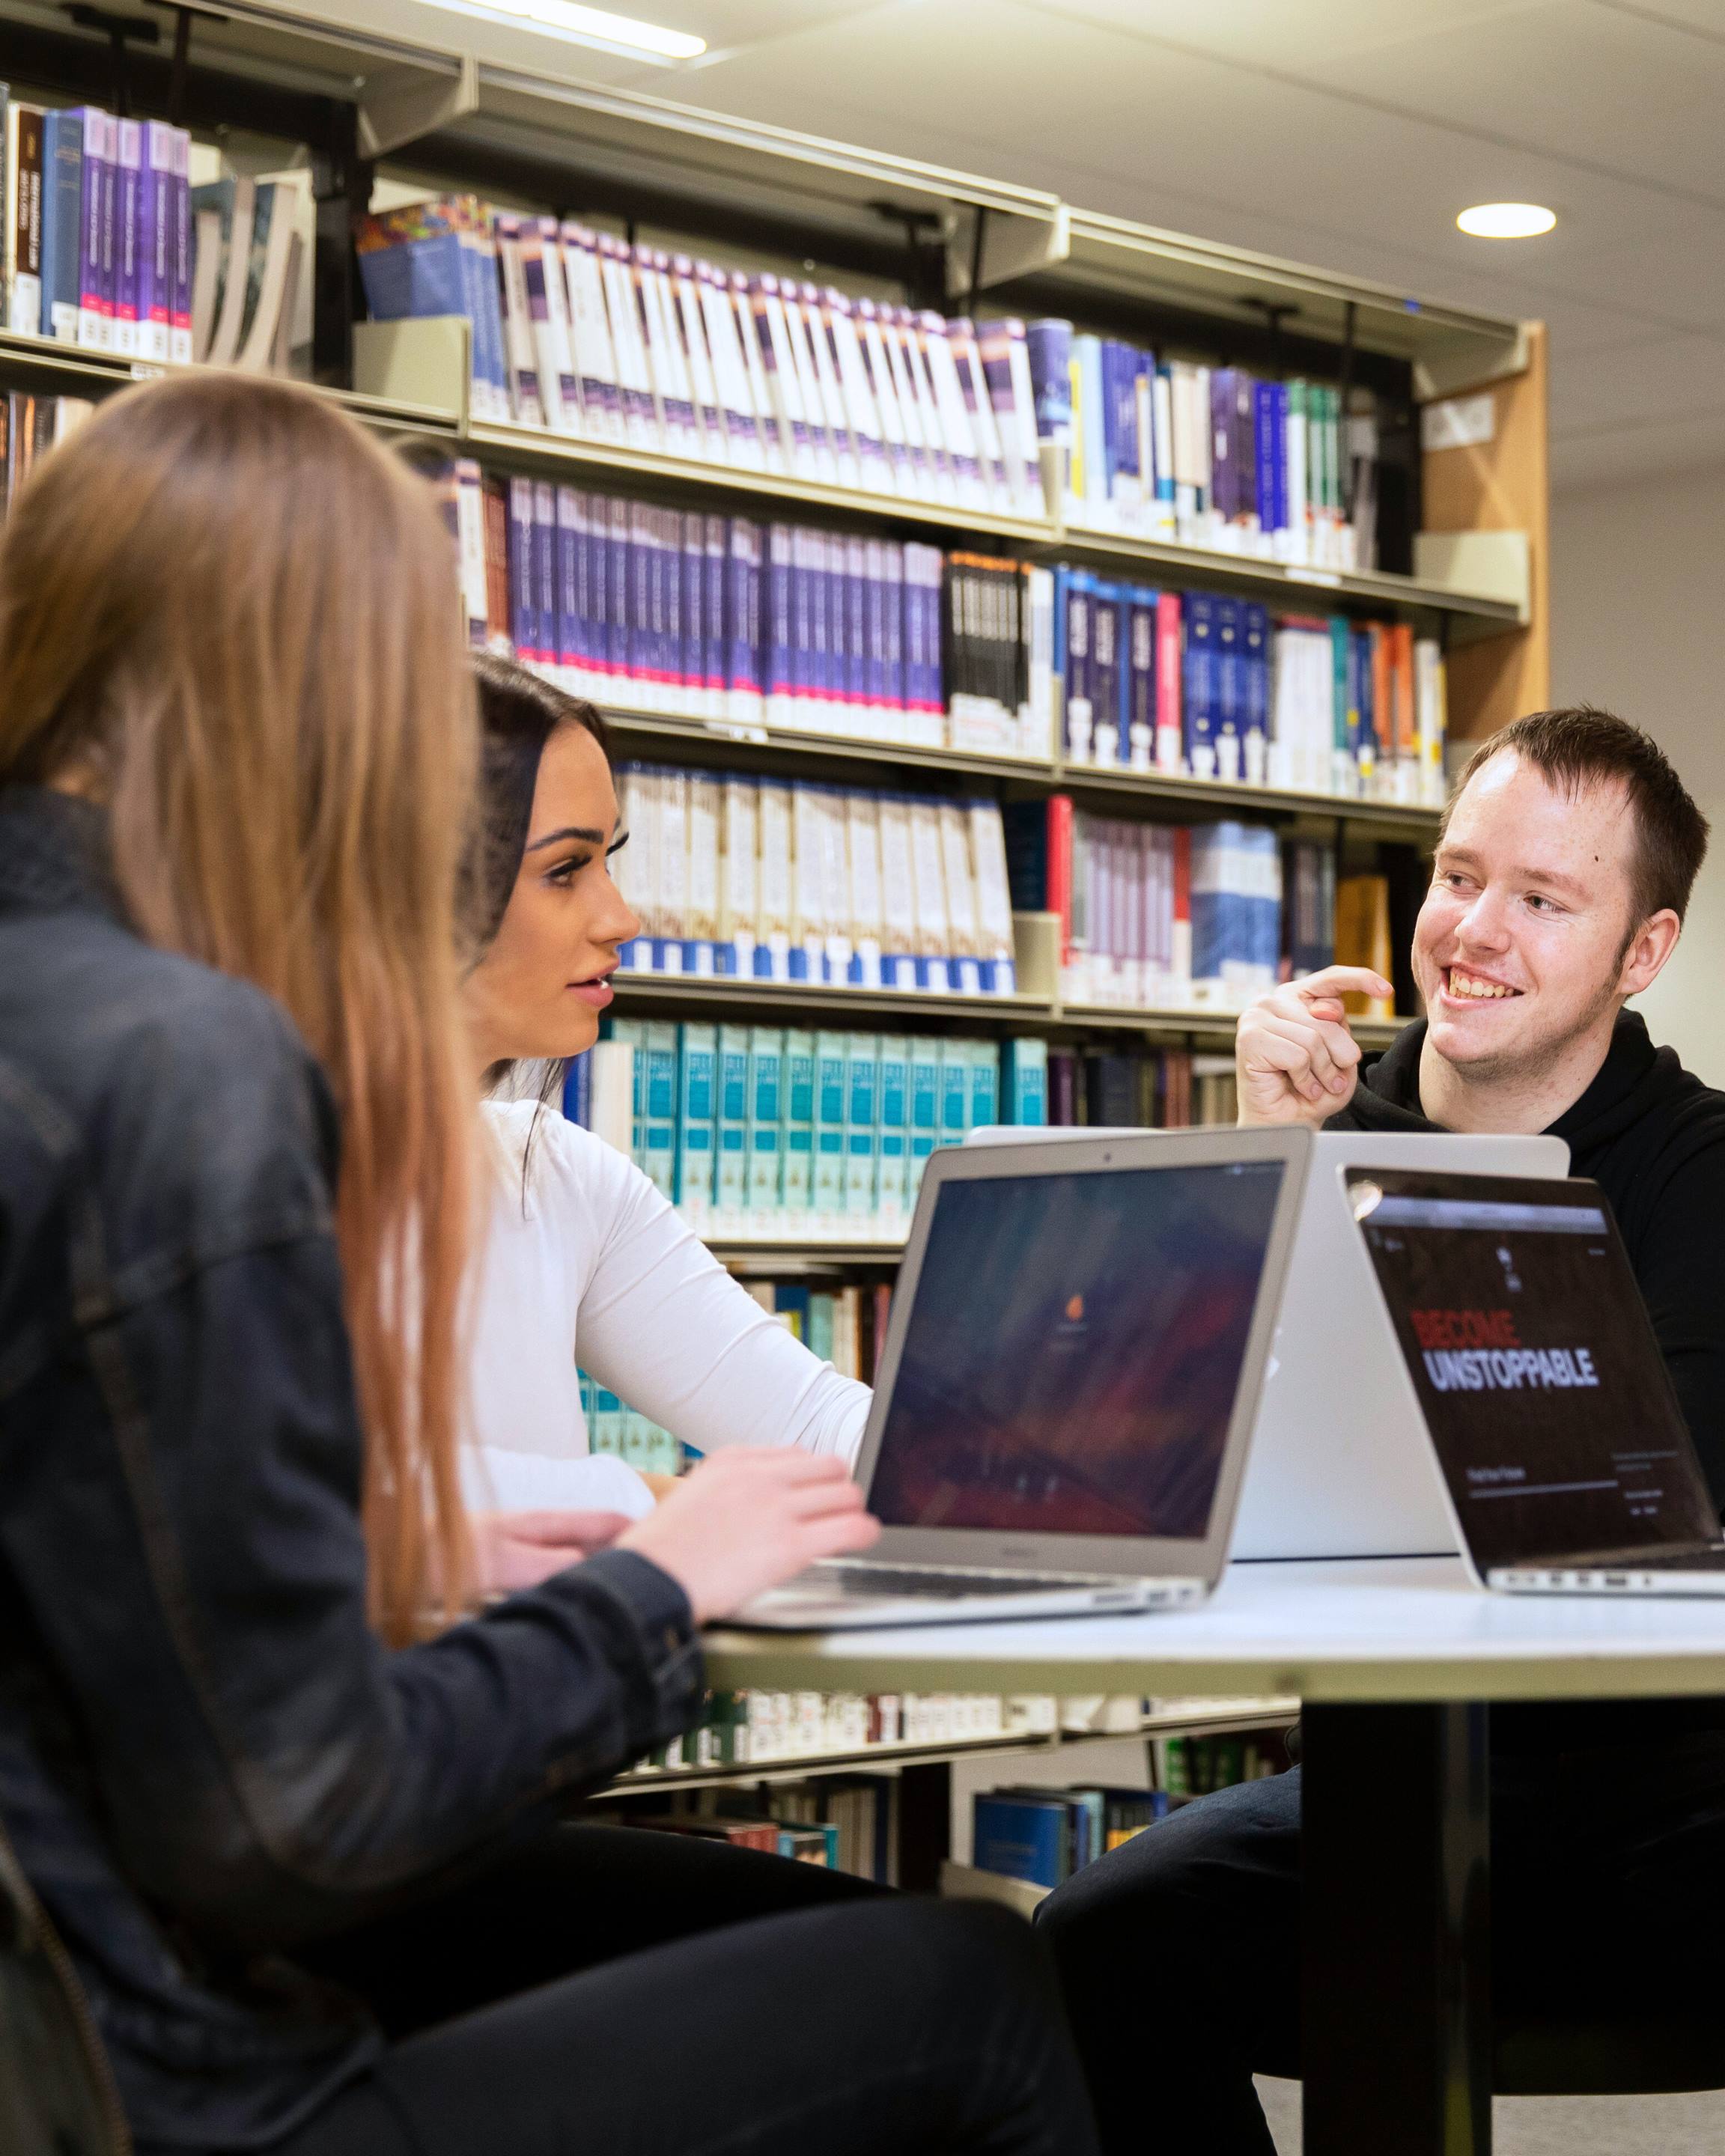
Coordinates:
(586,1264)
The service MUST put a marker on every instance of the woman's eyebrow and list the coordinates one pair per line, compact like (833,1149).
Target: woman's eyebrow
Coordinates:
(569,831)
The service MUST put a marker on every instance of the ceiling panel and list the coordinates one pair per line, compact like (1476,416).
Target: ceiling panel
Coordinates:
(1344,132)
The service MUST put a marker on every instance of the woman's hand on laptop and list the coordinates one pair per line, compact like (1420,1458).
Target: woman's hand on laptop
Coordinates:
(1294,1058)
(749,1519)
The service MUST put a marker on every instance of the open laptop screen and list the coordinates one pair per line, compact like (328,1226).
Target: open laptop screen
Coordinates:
(1071,1361)
(1542,1386)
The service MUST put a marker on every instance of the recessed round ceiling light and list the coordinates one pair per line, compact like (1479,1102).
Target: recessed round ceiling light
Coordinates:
(1507,220)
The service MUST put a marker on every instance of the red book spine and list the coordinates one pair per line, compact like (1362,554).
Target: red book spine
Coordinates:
(1059,893)
(1170,732)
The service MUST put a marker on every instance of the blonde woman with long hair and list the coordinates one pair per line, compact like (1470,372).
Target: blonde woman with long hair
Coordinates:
(305,1861)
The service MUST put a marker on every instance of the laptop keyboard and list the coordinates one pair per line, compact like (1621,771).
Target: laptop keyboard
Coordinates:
(942,1582)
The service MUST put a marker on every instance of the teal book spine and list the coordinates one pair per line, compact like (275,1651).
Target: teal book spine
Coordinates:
(730,1169)
(895,1153)
(819,1335)
(925,1106)
(984,1084)
(955,1091)
(766,1114)
(862,1121)
(658,1134)
(830,1084)
(697,1117)
(632,1032)
(604,1431)
(1025,1070)
(797,1142)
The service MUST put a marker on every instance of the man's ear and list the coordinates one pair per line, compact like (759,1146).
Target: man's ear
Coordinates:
(1652,943)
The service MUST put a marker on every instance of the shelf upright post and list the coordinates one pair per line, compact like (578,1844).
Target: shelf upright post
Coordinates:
(341,188)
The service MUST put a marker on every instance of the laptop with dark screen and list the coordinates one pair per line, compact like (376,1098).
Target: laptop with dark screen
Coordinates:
(1071,1367)
(1559,1441)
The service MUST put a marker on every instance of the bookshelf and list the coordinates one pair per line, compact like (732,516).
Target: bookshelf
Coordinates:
(689,995)
(459,102)
(1176,1718)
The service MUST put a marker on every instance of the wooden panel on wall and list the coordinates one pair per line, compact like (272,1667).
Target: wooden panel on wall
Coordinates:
(1502,484)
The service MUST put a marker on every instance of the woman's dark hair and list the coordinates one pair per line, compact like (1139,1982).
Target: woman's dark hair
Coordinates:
(518,714)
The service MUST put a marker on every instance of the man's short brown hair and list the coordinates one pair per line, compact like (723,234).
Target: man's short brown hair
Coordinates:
(1580,747)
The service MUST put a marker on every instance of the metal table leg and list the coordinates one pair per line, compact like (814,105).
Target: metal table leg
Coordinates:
(1395,2019)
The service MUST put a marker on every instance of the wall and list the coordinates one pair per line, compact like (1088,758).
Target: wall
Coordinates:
(1638,625)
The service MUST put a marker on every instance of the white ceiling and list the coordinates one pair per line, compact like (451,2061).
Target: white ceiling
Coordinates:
(1341,132)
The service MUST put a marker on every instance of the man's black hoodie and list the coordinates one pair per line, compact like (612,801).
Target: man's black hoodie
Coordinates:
(1652,1136)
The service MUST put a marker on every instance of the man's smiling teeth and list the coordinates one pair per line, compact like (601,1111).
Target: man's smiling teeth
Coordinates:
(1470,984)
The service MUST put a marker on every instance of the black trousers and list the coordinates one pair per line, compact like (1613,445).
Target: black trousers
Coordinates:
(610,1992)
(1608,1897)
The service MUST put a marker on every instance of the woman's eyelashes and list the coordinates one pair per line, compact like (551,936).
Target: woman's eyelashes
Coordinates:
(564,873)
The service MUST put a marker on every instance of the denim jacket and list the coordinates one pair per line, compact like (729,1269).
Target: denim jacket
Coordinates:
(206,1755)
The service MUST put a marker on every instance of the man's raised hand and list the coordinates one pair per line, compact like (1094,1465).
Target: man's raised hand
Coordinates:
(1294,1058)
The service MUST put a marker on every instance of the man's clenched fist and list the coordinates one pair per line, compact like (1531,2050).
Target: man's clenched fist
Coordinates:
(1294,1058)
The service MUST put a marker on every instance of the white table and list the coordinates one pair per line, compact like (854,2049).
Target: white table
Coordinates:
(1396,1662)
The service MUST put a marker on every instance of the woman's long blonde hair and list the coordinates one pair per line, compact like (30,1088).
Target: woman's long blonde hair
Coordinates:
(231,618)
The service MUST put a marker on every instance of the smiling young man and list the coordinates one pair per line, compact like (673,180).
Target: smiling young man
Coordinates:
(1561,874)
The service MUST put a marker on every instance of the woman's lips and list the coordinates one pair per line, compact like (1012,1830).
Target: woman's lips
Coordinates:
(596,992)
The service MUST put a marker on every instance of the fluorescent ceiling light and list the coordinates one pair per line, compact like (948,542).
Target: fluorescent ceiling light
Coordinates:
(595,26)
(1507,220)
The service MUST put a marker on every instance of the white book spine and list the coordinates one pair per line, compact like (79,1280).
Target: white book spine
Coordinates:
(790,333)
(835,883)
(806,308)
(714,436)
(524,393)
(640,416)
(927,871)
(963,949)
(776,438)
(892,336)
(666,360)
(953,420)
(912,347)
(898,893)
(470,548)
(861,409)
(591,347)
(885,388)
(778,894)
(611,1106)
(809,924)
(730,375)
(979,411)
(862,841)
(1035,500)
(1040,717)
(673,869)
(542,263)
(702,917)
(740,887)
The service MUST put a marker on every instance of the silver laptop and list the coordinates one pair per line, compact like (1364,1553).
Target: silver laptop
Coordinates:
(1070,1372)
(1528,1351)
(1340,1465)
